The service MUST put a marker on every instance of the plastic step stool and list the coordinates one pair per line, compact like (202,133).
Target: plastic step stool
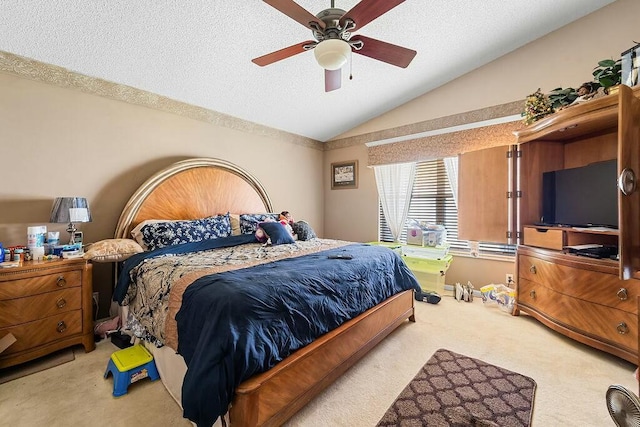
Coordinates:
(130,365)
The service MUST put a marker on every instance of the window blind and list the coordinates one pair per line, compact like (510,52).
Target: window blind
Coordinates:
(432,202)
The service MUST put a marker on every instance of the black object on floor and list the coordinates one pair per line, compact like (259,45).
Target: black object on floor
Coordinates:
(120,340)
(429,296)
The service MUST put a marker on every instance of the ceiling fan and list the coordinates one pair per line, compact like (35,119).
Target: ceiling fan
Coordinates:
(334,42)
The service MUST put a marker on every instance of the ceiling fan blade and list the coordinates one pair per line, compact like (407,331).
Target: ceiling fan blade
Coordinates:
(368,10)
(296,12)
(385,52)
(281,54)
(332,79)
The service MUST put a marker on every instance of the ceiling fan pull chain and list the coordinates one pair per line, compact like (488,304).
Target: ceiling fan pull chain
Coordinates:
(350,66)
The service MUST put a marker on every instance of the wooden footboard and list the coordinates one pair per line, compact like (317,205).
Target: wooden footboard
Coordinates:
(271,398)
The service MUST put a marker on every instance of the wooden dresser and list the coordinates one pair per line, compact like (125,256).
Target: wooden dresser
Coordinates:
(580,297)
(47,306)
(592,300)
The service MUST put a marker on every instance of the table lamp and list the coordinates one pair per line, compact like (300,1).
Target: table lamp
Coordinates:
(70,210)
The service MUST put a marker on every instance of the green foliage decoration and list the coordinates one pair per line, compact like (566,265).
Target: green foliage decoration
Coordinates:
(608,73)
(561,98)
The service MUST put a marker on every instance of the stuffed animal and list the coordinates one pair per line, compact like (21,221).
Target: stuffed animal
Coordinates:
(286,219)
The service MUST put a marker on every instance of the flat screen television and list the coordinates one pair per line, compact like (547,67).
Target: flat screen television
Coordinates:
(581,197)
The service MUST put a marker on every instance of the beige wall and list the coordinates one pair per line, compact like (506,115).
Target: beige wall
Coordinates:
(351,208)
(564,58)
(478,271)
(56,141)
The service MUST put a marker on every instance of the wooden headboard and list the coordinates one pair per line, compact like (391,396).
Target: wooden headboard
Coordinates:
(194,188)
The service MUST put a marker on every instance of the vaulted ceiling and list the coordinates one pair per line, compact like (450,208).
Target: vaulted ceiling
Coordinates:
(200,52)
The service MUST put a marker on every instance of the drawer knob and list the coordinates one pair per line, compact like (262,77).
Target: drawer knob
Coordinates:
(61,326)
(61,303)
(533,269)
(61,281)
(622,328)
(532,294)
(622,294)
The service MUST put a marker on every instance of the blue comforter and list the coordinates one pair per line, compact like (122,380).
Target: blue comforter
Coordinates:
(236,324)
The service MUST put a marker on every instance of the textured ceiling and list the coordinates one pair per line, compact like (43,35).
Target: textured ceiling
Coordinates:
(200,52)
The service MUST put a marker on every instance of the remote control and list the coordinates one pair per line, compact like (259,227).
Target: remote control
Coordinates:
(340,256)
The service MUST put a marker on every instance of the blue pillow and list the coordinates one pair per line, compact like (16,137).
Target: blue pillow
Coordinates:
(277,232)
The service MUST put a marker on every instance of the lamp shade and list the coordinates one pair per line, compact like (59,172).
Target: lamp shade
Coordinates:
(332,54)
(70,209)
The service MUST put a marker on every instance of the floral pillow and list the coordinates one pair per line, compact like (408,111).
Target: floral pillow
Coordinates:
(156,235)
(303,230)
(249,222)
(136,233)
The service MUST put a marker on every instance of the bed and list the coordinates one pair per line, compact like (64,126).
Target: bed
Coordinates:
(204,187)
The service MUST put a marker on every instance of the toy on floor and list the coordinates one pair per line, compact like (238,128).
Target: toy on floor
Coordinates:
(103,329)
(130,365)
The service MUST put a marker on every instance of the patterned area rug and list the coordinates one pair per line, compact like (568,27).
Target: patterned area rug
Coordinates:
(456,390)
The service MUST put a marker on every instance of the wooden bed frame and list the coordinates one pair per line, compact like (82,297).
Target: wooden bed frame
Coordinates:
(201,187)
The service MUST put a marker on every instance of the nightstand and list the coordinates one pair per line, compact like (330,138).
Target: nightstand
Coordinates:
(47,306)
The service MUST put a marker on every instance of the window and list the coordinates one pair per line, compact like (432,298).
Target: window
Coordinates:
(432,201)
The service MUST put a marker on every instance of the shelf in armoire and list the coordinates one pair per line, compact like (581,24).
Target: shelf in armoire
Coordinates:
(595,230)
(589,117)
(591,230)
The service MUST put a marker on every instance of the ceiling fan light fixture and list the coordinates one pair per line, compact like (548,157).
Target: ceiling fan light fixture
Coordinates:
(332,54)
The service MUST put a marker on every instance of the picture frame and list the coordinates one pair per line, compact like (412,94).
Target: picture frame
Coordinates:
(344,175)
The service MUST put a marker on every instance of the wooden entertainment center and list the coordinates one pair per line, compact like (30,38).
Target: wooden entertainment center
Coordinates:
(594,301)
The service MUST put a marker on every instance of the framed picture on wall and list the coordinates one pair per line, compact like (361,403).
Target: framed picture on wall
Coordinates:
(344,175)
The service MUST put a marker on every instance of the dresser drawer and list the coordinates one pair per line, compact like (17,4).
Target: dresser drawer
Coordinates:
(544,238)
(40,284)
(589,319)
(23,310)
(43,331)
(593,286)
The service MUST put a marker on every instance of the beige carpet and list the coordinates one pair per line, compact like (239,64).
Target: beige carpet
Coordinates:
(51,360)
(453,390)
(571,378)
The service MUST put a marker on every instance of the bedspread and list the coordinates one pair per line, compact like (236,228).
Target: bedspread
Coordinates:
(238,323)
(149,280)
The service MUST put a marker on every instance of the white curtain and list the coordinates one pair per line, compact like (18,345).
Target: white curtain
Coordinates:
(451,166)
(395,183)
